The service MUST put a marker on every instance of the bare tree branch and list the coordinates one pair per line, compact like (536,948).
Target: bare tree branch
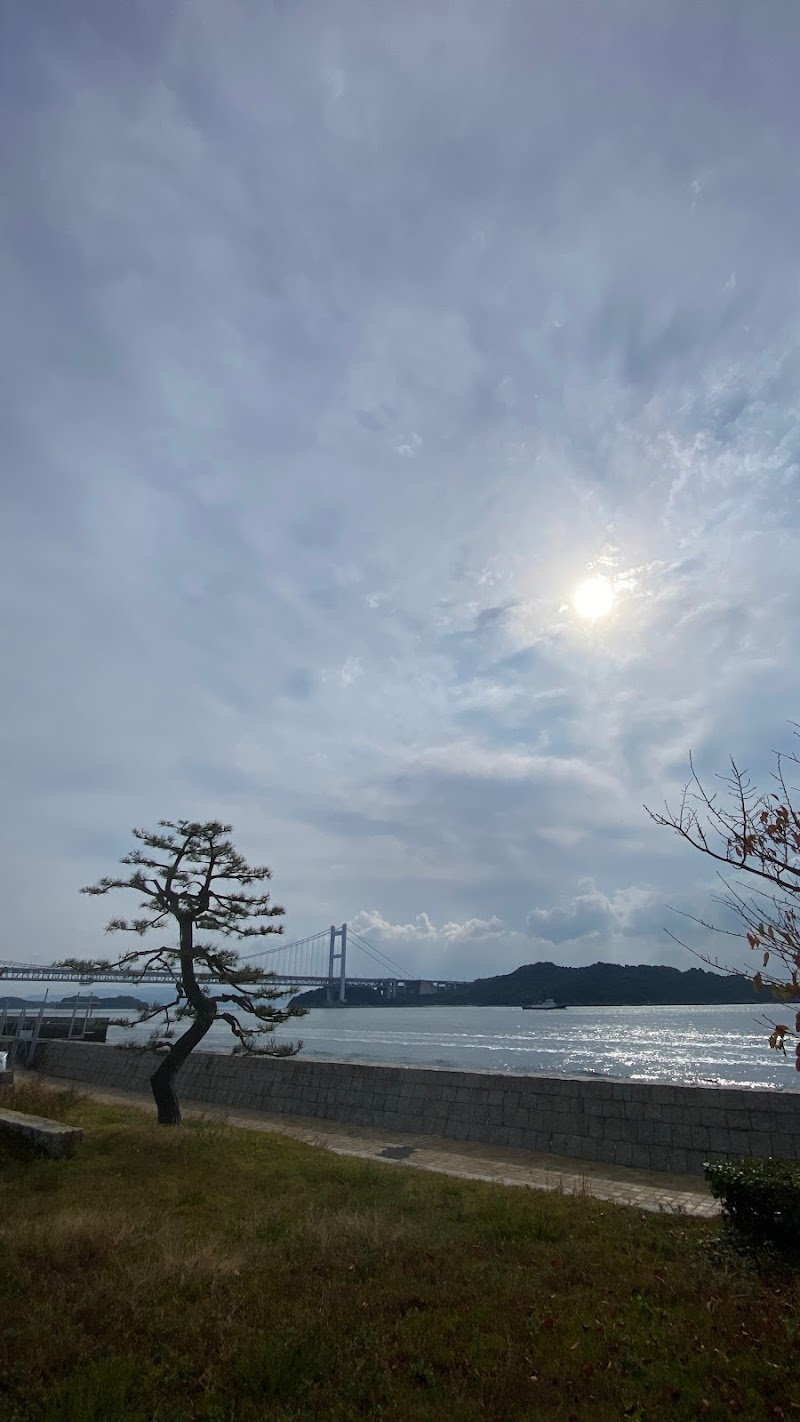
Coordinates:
(757,835)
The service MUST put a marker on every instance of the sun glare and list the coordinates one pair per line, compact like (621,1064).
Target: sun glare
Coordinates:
(593,598)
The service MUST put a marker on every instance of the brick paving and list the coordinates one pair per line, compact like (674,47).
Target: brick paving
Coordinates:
(507,1165)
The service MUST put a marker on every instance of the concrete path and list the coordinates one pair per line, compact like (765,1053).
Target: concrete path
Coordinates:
(644,1189)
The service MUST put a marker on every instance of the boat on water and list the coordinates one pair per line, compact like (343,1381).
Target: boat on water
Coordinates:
(547,1006)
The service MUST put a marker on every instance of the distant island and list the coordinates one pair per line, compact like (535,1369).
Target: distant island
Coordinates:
(599,985)
(66,1004)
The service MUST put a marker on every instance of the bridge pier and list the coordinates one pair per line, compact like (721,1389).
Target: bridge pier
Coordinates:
(341,958)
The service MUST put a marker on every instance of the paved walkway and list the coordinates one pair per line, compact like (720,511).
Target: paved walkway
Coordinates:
(471,1160)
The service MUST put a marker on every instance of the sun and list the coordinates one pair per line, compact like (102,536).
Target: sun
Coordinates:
(593,598)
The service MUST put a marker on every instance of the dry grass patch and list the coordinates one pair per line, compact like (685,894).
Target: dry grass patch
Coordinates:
(231,1275)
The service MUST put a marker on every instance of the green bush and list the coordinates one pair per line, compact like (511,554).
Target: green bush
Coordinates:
(760,1199)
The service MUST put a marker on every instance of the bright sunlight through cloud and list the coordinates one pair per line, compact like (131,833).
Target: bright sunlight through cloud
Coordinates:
(593,598)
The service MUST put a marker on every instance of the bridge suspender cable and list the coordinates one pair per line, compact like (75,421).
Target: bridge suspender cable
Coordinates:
(379,957)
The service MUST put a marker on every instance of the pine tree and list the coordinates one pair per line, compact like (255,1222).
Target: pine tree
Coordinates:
(191,872)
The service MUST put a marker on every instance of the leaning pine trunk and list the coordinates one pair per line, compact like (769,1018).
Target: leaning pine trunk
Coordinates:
(162,1080)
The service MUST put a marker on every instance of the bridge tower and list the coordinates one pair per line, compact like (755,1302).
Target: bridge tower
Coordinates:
(340,958)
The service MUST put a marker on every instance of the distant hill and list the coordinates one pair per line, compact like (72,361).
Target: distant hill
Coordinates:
(599,985)
(105,1004)
(131,1004)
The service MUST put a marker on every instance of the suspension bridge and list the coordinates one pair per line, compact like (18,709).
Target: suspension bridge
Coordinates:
(334,959)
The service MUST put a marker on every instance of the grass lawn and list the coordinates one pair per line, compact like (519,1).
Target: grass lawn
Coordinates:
(222,1274)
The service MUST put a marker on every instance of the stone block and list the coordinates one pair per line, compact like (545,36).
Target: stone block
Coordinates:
(712,1116)
(640,1156)
(695,1160)
(740,1142)
(563,1123)
(760,1144)
(737,1120)
(538,1141)
(574,1146)
(661,1157)
(682,1136)
(664,1095)
(544,1086)
(781,1103)
(605,1151)
(594,1106)
(600,1091)
(48,1137)
(763,1121)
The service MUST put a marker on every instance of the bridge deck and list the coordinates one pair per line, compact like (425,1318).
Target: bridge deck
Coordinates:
(32,972)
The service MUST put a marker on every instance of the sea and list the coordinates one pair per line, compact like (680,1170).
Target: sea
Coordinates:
(714,1045)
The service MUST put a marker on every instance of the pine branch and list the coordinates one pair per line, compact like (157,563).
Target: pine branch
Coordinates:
(190,872)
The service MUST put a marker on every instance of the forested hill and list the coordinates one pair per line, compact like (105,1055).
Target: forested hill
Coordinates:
(604,984)
(99,1004)
(599,985)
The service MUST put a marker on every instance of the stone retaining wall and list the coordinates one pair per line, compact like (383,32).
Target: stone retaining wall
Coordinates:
(654,1127)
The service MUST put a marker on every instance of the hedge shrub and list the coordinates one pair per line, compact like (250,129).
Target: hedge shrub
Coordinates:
(760,1199)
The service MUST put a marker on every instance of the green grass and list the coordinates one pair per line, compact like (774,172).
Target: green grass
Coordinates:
(219,1274)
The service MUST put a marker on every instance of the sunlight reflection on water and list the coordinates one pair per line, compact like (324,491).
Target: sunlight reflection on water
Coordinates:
(717,1045)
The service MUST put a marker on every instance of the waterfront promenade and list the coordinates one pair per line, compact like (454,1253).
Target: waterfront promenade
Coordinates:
(503,1165)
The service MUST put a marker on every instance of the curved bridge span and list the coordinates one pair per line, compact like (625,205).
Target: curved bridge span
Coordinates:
(325,960)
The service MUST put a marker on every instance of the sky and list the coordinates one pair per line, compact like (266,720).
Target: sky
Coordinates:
(341,345)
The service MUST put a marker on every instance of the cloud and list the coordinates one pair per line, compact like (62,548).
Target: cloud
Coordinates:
(330,372)
(350,671)
(369,922)
(590,913)
(464,758)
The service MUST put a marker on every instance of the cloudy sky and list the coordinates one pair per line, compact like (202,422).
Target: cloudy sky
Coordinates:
(341,344)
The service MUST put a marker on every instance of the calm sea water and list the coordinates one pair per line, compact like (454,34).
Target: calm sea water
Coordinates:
(719,1045)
